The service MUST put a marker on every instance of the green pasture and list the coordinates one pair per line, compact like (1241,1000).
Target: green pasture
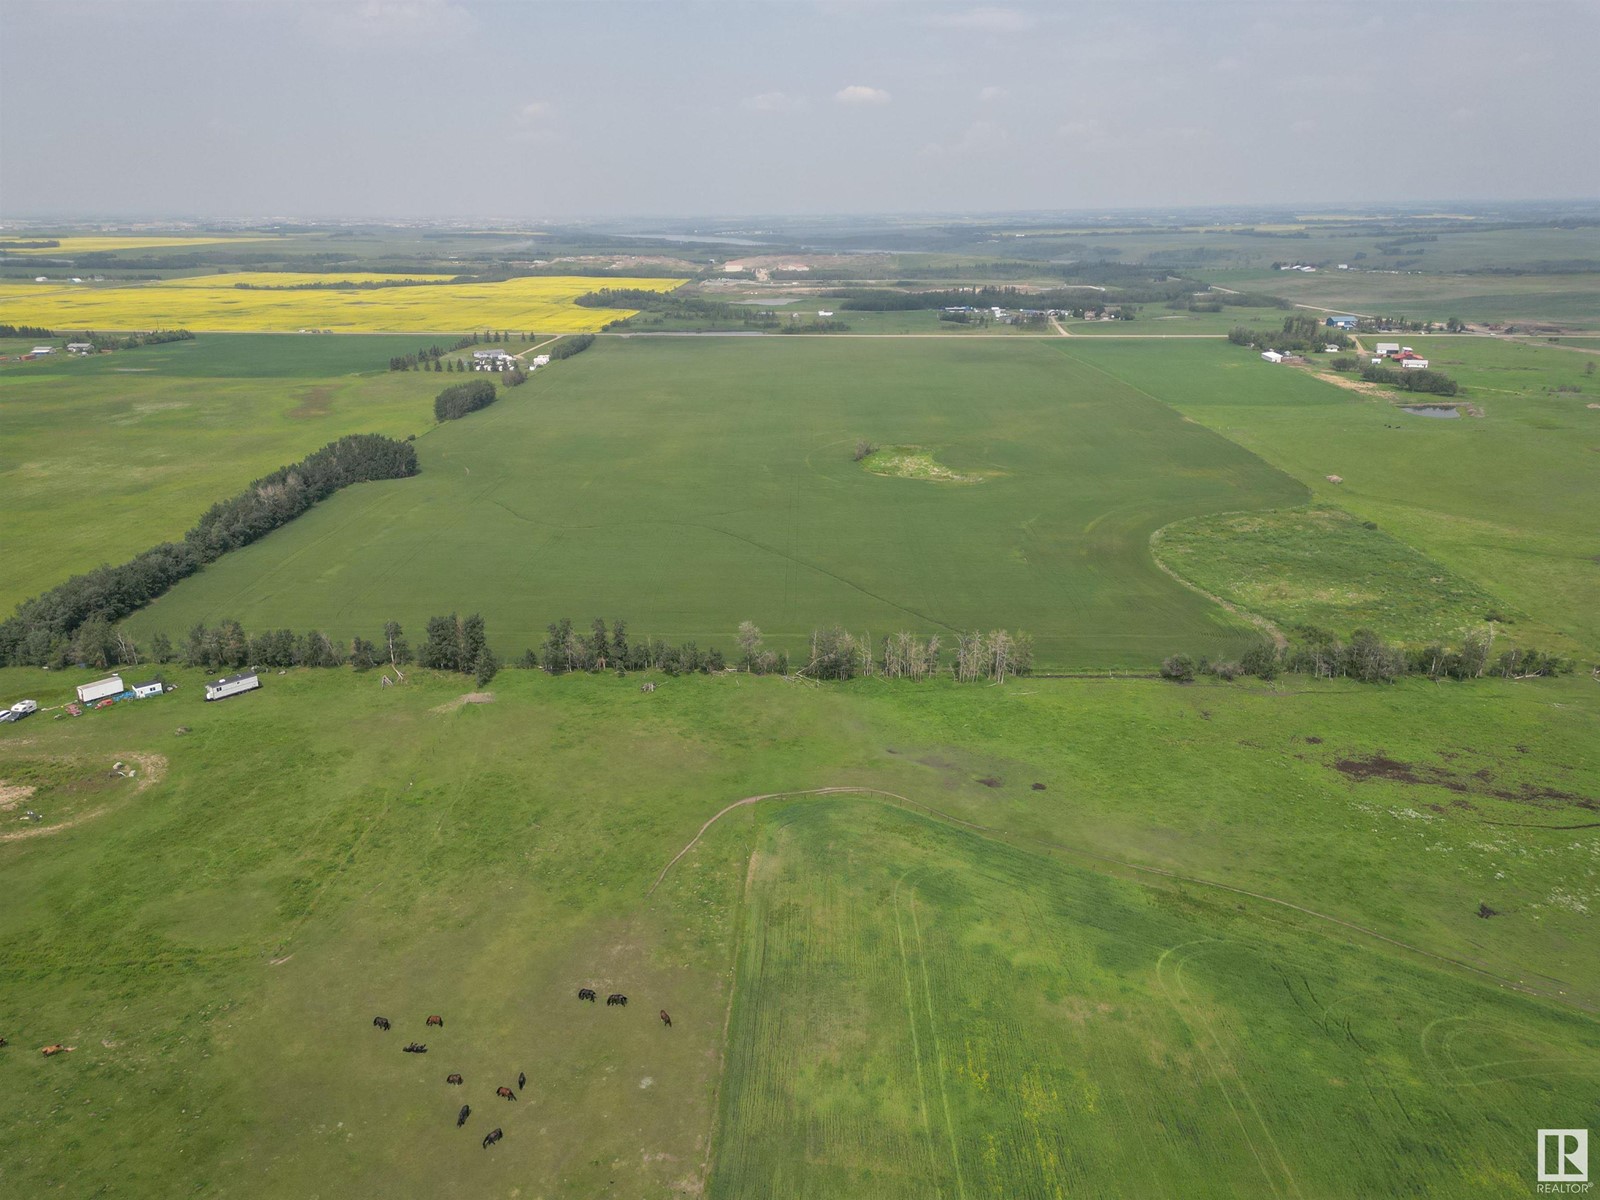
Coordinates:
(324,850)
(1320,566)
(1506,501)
(921,1010)
(103,457)
(1563,300)
(689,484)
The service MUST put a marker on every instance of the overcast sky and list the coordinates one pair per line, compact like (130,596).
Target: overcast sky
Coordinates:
(425,108)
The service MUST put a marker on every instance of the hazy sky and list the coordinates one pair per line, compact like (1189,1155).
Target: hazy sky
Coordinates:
(419,108)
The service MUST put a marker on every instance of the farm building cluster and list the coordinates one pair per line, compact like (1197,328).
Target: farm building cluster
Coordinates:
(503,360)
(103,693)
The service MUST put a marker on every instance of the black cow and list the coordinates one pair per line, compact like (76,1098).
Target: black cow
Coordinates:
(586,994)
(522,1081)
(452,1079)
(461,1117)
(490,1138)
(416,1048)
(617,998)
(381,1022)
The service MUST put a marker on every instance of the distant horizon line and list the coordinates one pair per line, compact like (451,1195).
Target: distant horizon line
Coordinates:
(1439,207)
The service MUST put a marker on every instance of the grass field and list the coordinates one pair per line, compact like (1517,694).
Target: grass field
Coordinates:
(1564,300)
(1320,566)
(688,484)
(1506,501)
(924,1011)
(216,944)
(103,457)
(215,302)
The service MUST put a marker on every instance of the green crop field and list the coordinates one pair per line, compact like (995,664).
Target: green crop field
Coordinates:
(880,1000)
(688,484)
(1507,501)
(102,457)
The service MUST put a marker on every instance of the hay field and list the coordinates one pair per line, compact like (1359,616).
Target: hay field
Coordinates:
(250,301)
(687,484)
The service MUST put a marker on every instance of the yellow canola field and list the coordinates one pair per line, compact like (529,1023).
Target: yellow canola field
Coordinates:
(99,245)
(213,302)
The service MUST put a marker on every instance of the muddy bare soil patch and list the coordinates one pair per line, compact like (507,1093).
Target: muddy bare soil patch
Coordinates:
(1480,782)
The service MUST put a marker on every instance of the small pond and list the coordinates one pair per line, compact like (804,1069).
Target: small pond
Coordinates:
(1444,412)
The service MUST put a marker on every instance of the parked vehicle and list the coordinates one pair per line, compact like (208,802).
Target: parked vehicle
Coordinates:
(23,708)
(106,703)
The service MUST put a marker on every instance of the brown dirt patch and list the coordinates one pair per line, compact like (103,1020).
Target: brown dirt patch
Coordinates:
(150,770)
(314,402)
(1381,766)
(13,794)
(469,698)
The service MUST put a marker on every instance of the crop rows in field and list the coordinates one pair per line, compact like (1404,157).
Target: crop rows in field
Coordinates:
(258,301)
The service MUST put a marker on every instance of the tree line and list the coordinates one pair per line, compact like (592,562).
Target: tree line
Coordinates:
(1435,383)
(26,331)
(460,399)
(1300,334)
(661,306)
(1368,658)
(569,346)
(41,631)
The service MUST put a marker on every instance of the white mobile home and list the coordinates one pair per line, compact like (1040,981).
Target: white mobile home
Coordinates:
(88,693)
(153,688)
(1414,364)
(232,685)
(1383,348)
(1272,356)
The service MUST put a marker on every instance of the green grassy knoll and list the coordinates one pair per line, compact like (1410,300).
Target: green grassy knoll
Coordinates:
(101,458)
(688,484)
(216,944)
(1320,566)
(923,1011)
(1506,501)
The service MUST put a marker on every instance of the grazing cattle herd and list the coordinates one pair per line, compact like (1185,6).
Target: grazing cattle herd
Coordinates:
(614,1000)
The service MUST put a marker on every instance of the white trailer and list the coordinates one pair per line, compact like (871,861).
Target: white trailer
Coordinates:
(232,685)
(88,693)
(153,688)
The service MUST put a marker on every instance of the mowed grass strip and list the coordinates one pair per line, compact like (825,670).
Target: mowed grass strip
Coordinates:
(213,302)
(922,1011)
(690,484)
(1321,566)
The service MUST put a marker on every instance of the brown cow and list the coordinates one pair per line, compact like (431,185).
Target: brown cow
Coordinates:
(666,1020)
(452,1079)
(505,1093)
(57,1048)
(439,1021)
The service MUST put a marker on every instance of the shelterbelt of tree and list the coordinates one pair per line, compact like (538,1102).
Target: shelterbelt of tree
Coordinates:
(42,628)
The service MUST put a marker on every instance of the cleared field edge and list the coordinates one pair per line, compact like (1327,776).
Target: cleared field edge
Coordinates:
(1256,619)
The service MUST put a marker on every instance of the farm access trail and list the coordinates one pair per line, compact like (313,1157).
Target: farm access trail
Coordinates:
(990,831)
